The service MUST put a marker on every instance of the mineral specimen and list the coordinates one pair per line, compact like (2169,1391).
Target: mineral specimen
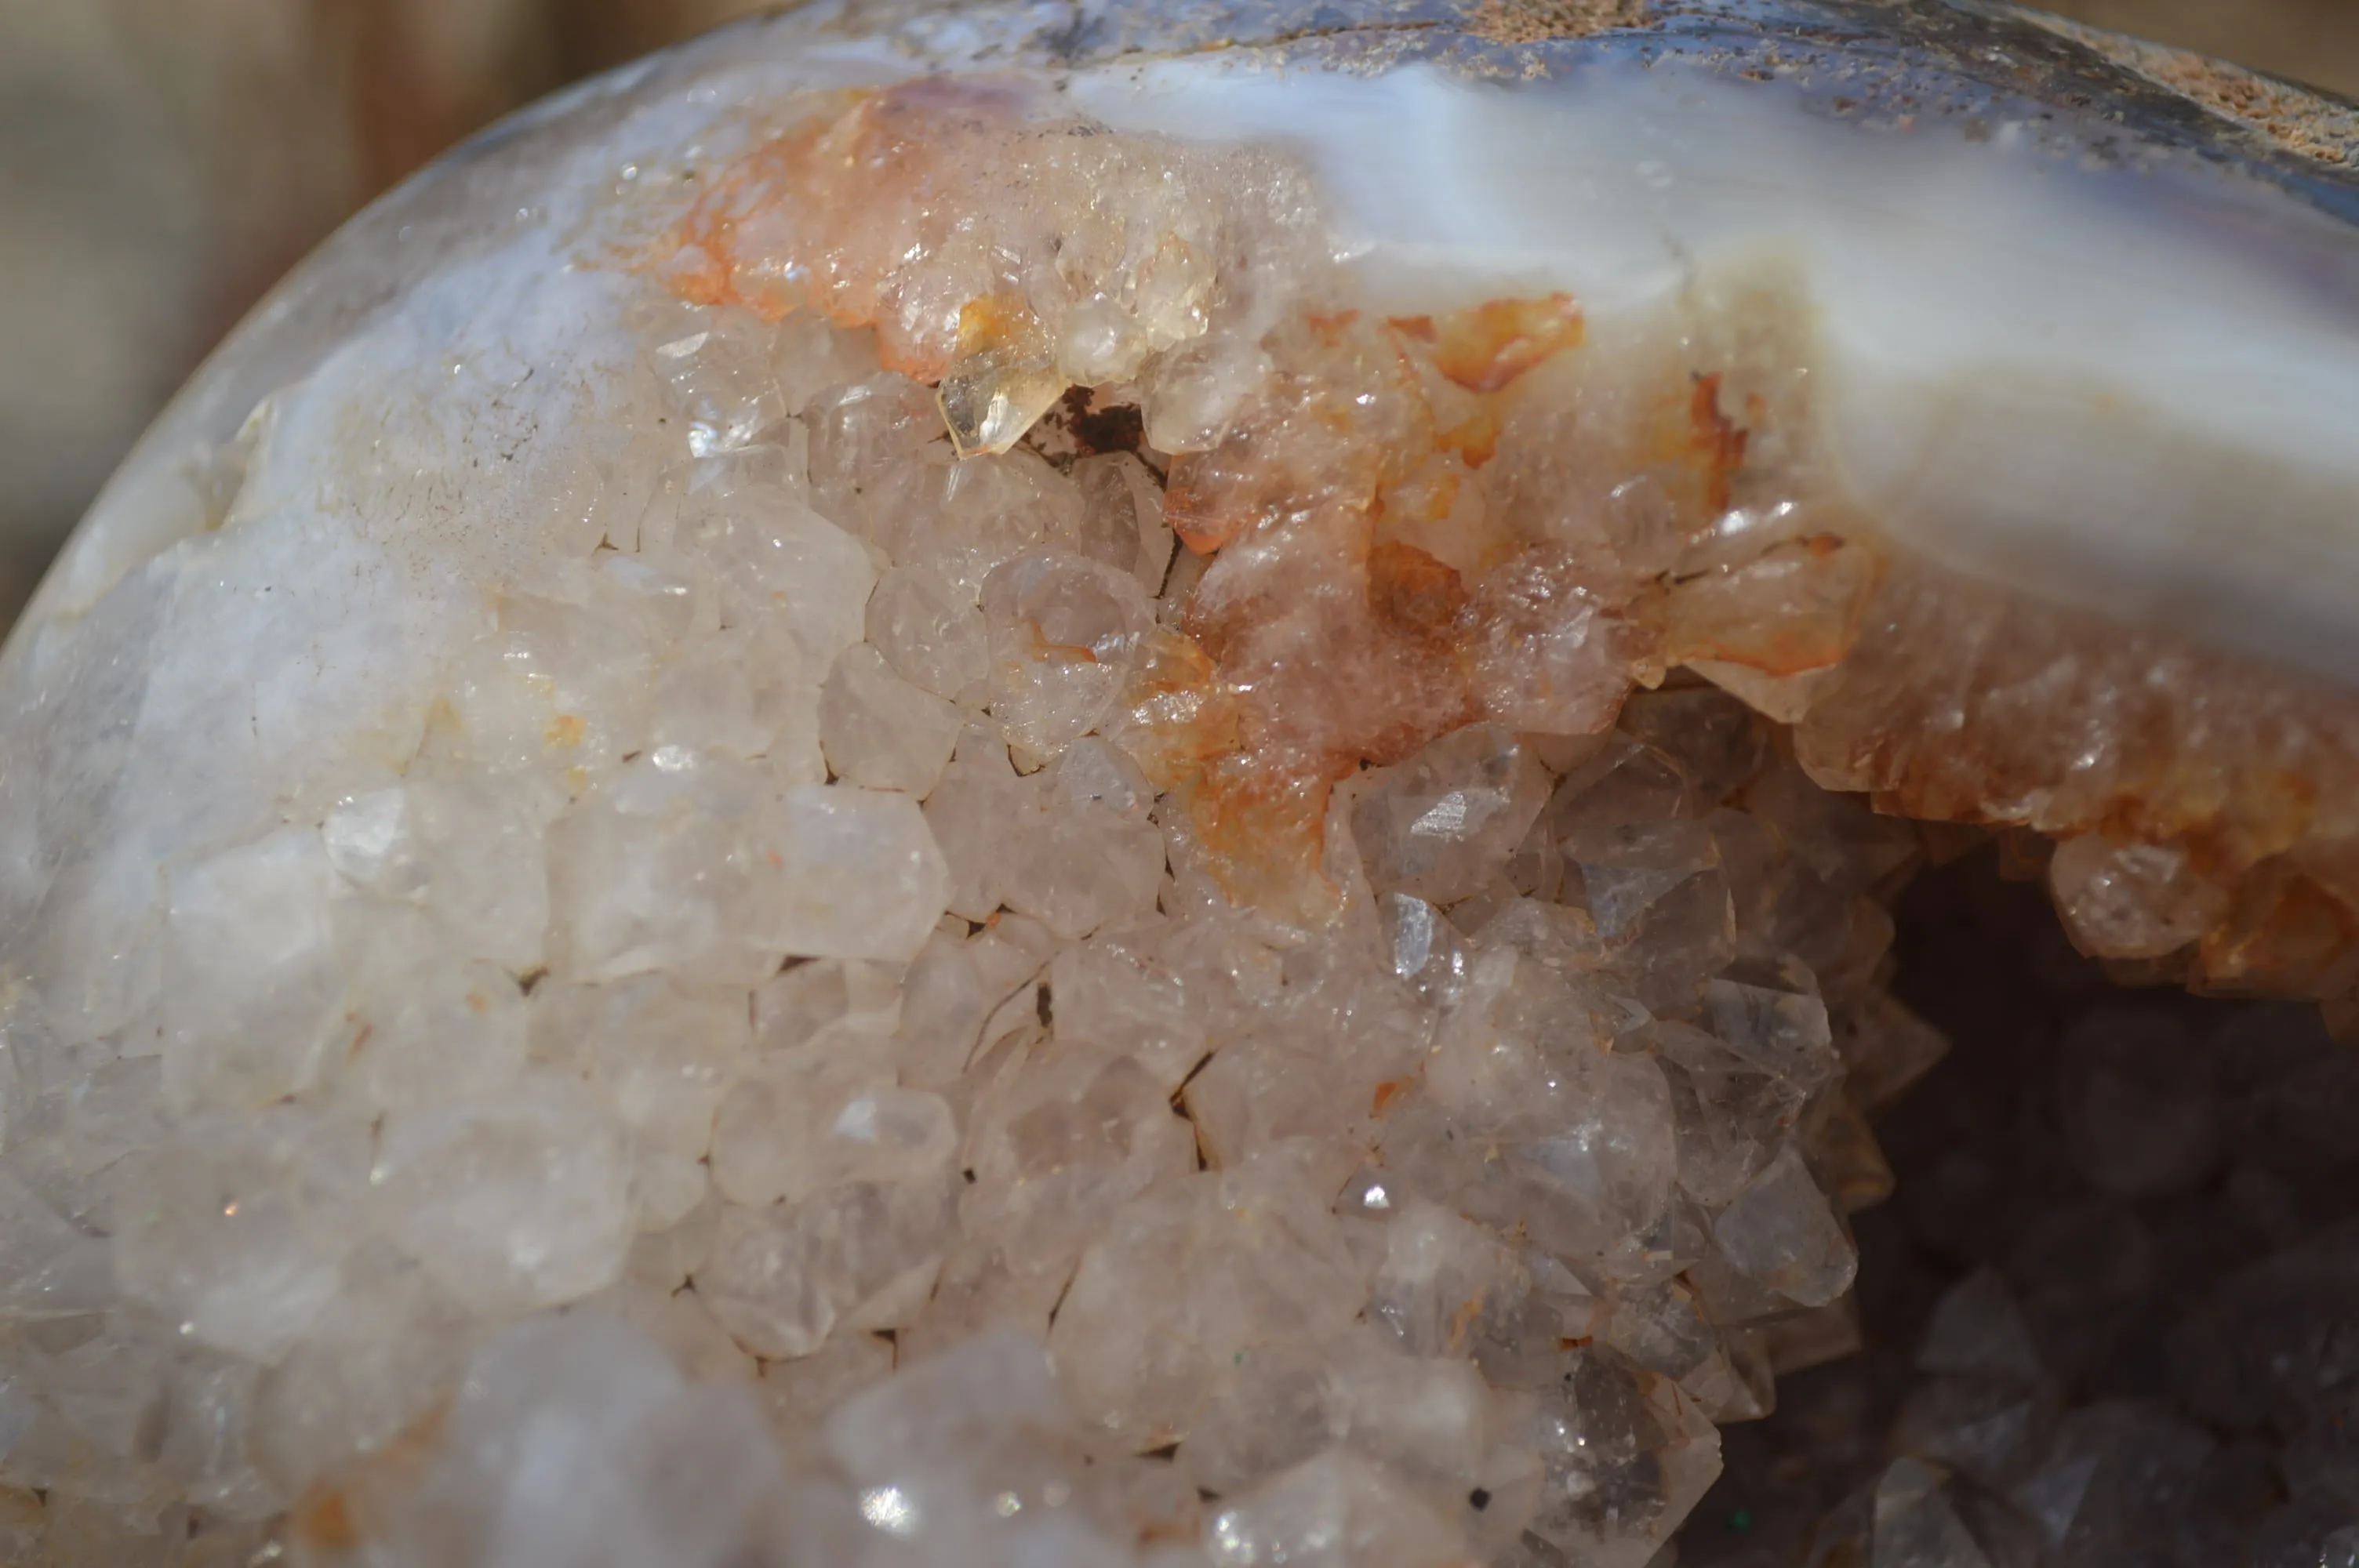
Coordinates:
(2106,1312)
(875,804)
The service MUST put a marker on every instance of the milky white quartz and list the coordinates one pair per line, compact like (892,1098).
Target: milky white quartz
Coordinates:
(621,943)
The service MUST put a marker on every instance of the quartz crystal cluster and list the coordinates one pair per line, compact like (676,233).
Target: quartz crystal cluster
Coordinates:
(1039,891)
(2110,1307)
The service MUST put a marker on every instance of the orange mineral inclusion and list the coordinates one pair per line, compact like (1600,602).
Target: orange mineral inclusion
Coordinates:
(1487,347)
(1340,636)
(1366,580)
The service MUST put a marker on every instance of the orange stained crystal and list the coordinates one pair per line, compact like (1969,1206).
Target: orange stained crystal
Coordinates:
(1486,346)
(1364,592)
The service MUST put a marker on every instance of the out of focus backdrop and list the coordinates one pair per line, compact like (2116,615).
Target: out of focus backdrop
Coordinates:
(163,161)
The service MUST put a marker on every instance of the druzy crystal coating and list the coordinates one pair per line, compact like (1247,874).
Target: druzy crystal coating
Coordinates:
(858,808)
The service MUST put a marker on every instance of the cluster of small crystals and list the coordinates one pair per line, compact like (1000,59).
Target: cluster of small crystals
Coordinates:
(2111,1305)
(894,1015)
(780,1074)
(1003,259)
(1438,1233)
(1397,524)
(1469,520)
(2203,808)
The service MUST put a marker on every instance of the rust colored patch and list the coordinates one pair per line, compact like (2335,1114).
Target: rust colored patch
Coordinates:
(1341,631)
(1263,825)
(1344,638)
(1487,347)
(322,1520)
(1717,441)
(1540,21)
(2286,936)
(1329,327)
(2283,114)
(1461,1321)
(1475,438)
(813,217)
(2296,121)
(1414,593)
(994,321)
(564,731)
(712,259)
(1049,653)
(1963,704)
(1389,1094)
(1334,649)
(1176,717)
(342,1512)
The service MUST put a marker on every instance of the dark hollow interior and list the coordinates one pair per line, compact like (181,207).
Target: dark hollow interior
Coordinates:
(2217,1281)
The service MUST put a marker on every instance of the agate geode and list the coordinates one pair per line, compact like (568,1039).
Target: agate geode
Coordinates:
(994,786)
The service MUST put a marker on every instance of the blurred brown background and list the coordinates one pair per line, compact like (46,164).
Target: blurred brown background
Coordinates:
(162,161)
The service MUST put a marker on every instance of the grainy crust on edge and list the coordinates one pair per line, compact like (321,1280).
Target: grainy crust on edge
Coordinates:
(2294,118)
(1539,21)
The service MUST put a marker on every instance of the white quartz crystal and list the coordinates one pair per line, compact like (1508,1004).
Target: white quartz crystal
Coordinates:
(1330,1511)
(235,1232)
(1444,822)
(878,730)
(513,1200)
(867,837)
(249,946)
